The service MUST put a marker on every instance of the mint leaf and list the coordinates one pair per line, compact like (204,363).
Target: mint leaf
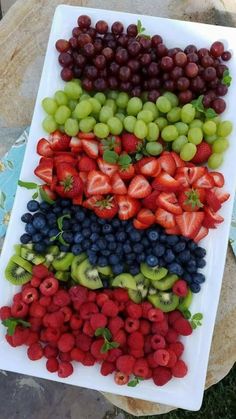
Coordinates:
(193,324)
(110,156)
(139,26)
(11,324)
(135,382)
(45,196)
(197,316)
(23,323)
(226,78)
(105,347)
(124,160)
(60,221)
(53,238)
(35,195)
(27,185)
(62,241)
(210,113)
(104,332)
(114,345)
(141,30)
(197,104)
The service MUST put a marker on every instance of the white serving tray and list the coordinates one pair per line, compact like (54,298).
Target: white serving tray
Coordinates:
(186,393)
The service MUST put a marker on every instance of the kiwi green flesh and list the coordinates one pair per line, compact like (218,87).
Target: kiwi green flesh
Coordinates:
(155,274)
(135,296)
(166,301)
(186,301)
(105,270)
(16,274)
(165,283)
(22,262)
(31,256)
(88,276)
(63,261)
(62,276)
(53,250)
(17,249)
(124,281)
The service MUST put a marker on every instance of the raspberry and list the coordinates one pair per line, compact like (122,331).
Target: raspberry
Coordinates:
(109,293)
(121,306)
(125,364)
(113,354)
(147,345)
(20,336)
(83,342)
(87,329)
(61,298)
(134,310)
(92,296)
(155,315)
(5,312)
(35,351)
(65,356)
(52,365)
(141,368)
(65,369)
(35,282)
(121,295)
(107,368)
(50,352)
(161,376)
(158,342)
(115,324)
(162,357)
(98,320)
(17,297)
(10,340)
(131,325)
(183,327)
(96,349)
(144,327)
(75,322)
(45,301)
(55,320)
(110,309)
(52,335)
(67,313)
(101,298)
(161,328)
(171,336)
(173,359)
(77,355)
(180,288)
(120,337)
(173,316)
(136,340)
(121,379)
(151,361)
(52,308)
(177,348)
(180,369)
(29,295)
(78,294)
(65,328)
(146,306)
(49,286)
(36,310)
(19,310)
(32,338)
(40,271)
(35,324)
(87,310)
(66,342)
(88,360)
(137,353)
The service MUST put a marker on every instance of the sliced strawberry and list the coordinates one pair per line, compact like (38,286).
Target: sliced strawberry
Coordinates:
(191,174)
(53,184)
(65,158)
(149,166)
(78,200)
(75,144)
(150,201)
(189,223)
(47,194)
(169,202)
(107,168)
(146,216)
(98,183)
(118,185)
(164,218)
(90,202)
(45,160)
(59,141)
(206,181)
(191,199)
(166,183)
(86,164)
(221,195)
(174,230)
(86,135)
(44,148)
(44,171)
(139,187)
(139,225)
(126,172)
(181,178)
(64,170)
(178,161)
(90,147)
(106,207)
(203,232)
(218,178)
(70,187)
(211,218)
(167,163)
(128,207)
(213,201)
(83,176)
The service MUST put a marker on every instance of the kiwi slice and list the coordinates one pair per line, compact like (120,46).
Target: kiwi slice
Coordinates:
(124,281)
(166,301)
(165,283)
(62,276)
(29,246)
(105,270)
(88,276)
(142,285)
(186,301)
(75,263)
(53,250)
(31,256)
(17,248)
(63,261)
(155,274)
(18,271)
(135,296)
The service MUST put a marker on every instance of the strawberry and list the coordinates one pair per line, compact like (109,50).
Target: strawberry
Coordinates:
(167,163)
(44,148)
(218,179)
(148,166)
(181,178)
(86,135)
(75,144)
(59,141)
(65,170)
(165,182)
(126,172)
(150,201)
(203,232)
(173,230)
(90,147)
(221,195)
(213,201)
(107,168)
(90,202)
(70,187)
(139,225)
(139,187)
(189,223)
(206,181)
(78,200)
(47,194)
(130,143)
(169,202)
(146,216)
(191,199)
(106,207)
(164,218)
(44,171)
(211,218)
(204,151)
(178,161)
(111,143)
(45,160)
(190,174)
(83,176)
(66,157)
(118,186)
(86,164)
(128,207)
(98,183)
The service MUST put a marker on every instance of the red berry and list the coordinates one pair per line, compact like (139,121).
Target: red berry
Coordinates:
(162,357)
(5,312)
(113,354)
(35,352)
(107,368)
(183,327)
(177,348)
(161,376)
(152,361)
(49,286)
(87,329)
(171,336)
(40,271)
(158,342)
(147,345)
(144,327)
(121,295)
(67,313)
(101,299)
(98,320)
(125,364)
(155,315)
(17,297)
(131,325)
(45,301)
(96,348)
(115,324)
(29,295)
(146,306)
(180,288)
(88,360)
(64,356)
(52,364)
(120,337)
(121,379)
(36,310)
(50,352)
(10,340)
(35,282)
(65,369)
(32,338)
(173,316)
(134,310)
(136,340)
(83,342)
(77,355)
(52,308)
(20,336)
(173,359)
(66,342)
(161,328)
(78,294)
(19,310)
(92,296)
(61,298)
(180,369)
(110,309)
(75,322)
(35,323)
(52,335)
(87,310)
(137,353)
(141,368)
(55,320)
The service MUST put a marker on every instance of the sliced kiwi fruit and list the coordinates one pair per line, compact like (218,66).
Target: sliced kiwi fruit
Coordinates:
(17,248)
(142,285)
(124,281)
(62,262)
(29,246)
(31,256)
(135,296)
(186,301)
(155,274)
(166,301)
(88,276)
(105,270)
(62,275)
(75,263)
(18,271)
(165,283)
(53,250)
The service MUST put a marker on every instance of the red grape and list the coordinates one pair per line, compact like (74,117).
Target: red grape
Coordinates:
(221,69)
(113,82)
(91,72)
(84,21)
(217,49)
(114,68)
(202,52)
(167,63)
(67,74)
(76,32)
(180,59)
(190,48)
(145,43)
(62,45)
(124,73)
(153,95)
(101,26)
(191,70)
(197,84)
(218,105)
(169,85)
(192,57)
(122,40)
(100,84)
(182,84)
(80,59)
(226,55)
(84,39)
(136,91)
(156,40)
(134,48)
(161,50)
(173,51)
(153,69)
(221,89)
(117,28)
(135,79)
(132,30)
(65,59)
(89,50)
(77,71)
(121,56)
(92,32)
(185,97)
(145,59)
(100,61)
(108,53)
(73,42)
(209,74)
(87,84)
(134,65)
(176,73)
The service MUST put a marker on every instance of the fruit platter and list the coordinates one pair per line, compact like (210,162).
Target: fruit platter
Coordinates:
(113,261)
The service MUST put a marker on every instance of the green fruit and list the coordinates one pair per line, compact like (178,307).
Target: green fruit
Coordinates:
(135,296)
(186,301)
(75,264)
(163,104)
(166,301)
(155,273)
(88,276)
(172,98)
(169,133)
(63,261)
(165,283)
(18,271)
(105,270)
(142,285)
(17,248)
(31,256)
(140,129)
(62,276)
(215,160)
(124,281)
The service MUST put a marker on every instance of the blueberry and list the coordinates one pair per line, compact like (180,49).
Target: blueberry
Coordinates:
(44,206)
(138,248)
(195,287)
(65,202)
(94,237)
(76,249)
(151,260)
(66,224)
(134,269)
(86,244)
(92,217)
(102,244)
(105,283)
(107,228)
(117,269)
(105,252)
(175,268)
(130,257)
(110,238)
(127,248)
(102,261)
(145,242)
(94,247)
(163,238)
(93,259)
(47,241)
(179,247)
(192,246)
(33,205)
(51,219)
(172,240)
(199,278)
(129,227)
(86,223)
(169,256)
(119,249)
(57,210)
(121,236)
(184,256)
(68,237)
(114,259)
(25,238)
(45,231)
(200,263)
(29,228)
(200,252)
(27,217)
(115,223)
(79,215)
(39,222)
(86,232)
(78,238)
(135,236)
(76,228)
(95,228)
(141,257)
(191,266)
(37,238)
(161,262)
(153,235)
(158,250)
(101,221)
(112,246)
(39,247)
(187,277)
(64,248)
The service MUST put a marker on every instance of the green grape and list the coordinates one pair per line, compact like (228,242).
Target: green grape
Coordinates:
(49,105)
(61,98)
(84,96)
(100,97)
(210,138)
(178,144)
(122,100)
(154,148)
(72,127)
(73,90)
(121,116)
(83,109)
(134,106)
(169,133)
(115,125)
(172,98)
(150,106)
(220,145)
(182,128)
(112,94)
(72,104)
(62,114)
(163,104)
(106,113)
(101,130)
(174,115)
(161,122)
(188,151)
(87,124)
(217,120)
(112,104)
(195,135)
(140,129)
(49,124)
(78,81)
(215,160)
(146,116)
(196,123)
(153,131)
(209,127)
(129,123)
(61,128)
(188,113)
(224,128)
(96,105)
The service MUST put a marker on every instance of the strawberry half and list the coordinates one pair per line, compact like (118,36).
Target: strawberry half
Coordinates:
(106,207)
(130,143)
(65,170)
(59,141)
(118,185)
(139,187)
(75,144)
(221,195)
(203,232)
(192,199)
(139,225)
(173,230)
(190,174)
(211,218)
(90,202)
(166,183)
(164,218)
(44,148)
(90,147)
(150,201)
(167,163)
(149,166)
(178,161)
(107,168)
(98,183)
(64,157)
(204,151)
(206,181)
(146,216)
(126,172)
(128,207)
(190,223)
(218,178)
(213,201)
(44,171)
(86,164)
(86,135)
(169,202)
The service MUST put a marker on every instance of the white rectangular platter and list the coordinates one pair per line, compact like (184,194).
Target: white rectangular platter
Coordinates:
(188,392)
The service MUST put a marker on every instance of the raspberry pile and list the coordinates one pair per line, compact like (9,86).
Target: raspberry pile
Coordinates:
(87,327)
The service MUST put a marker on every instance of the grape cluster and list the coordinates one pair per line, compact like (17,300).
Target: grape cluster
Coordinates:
(128,61)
